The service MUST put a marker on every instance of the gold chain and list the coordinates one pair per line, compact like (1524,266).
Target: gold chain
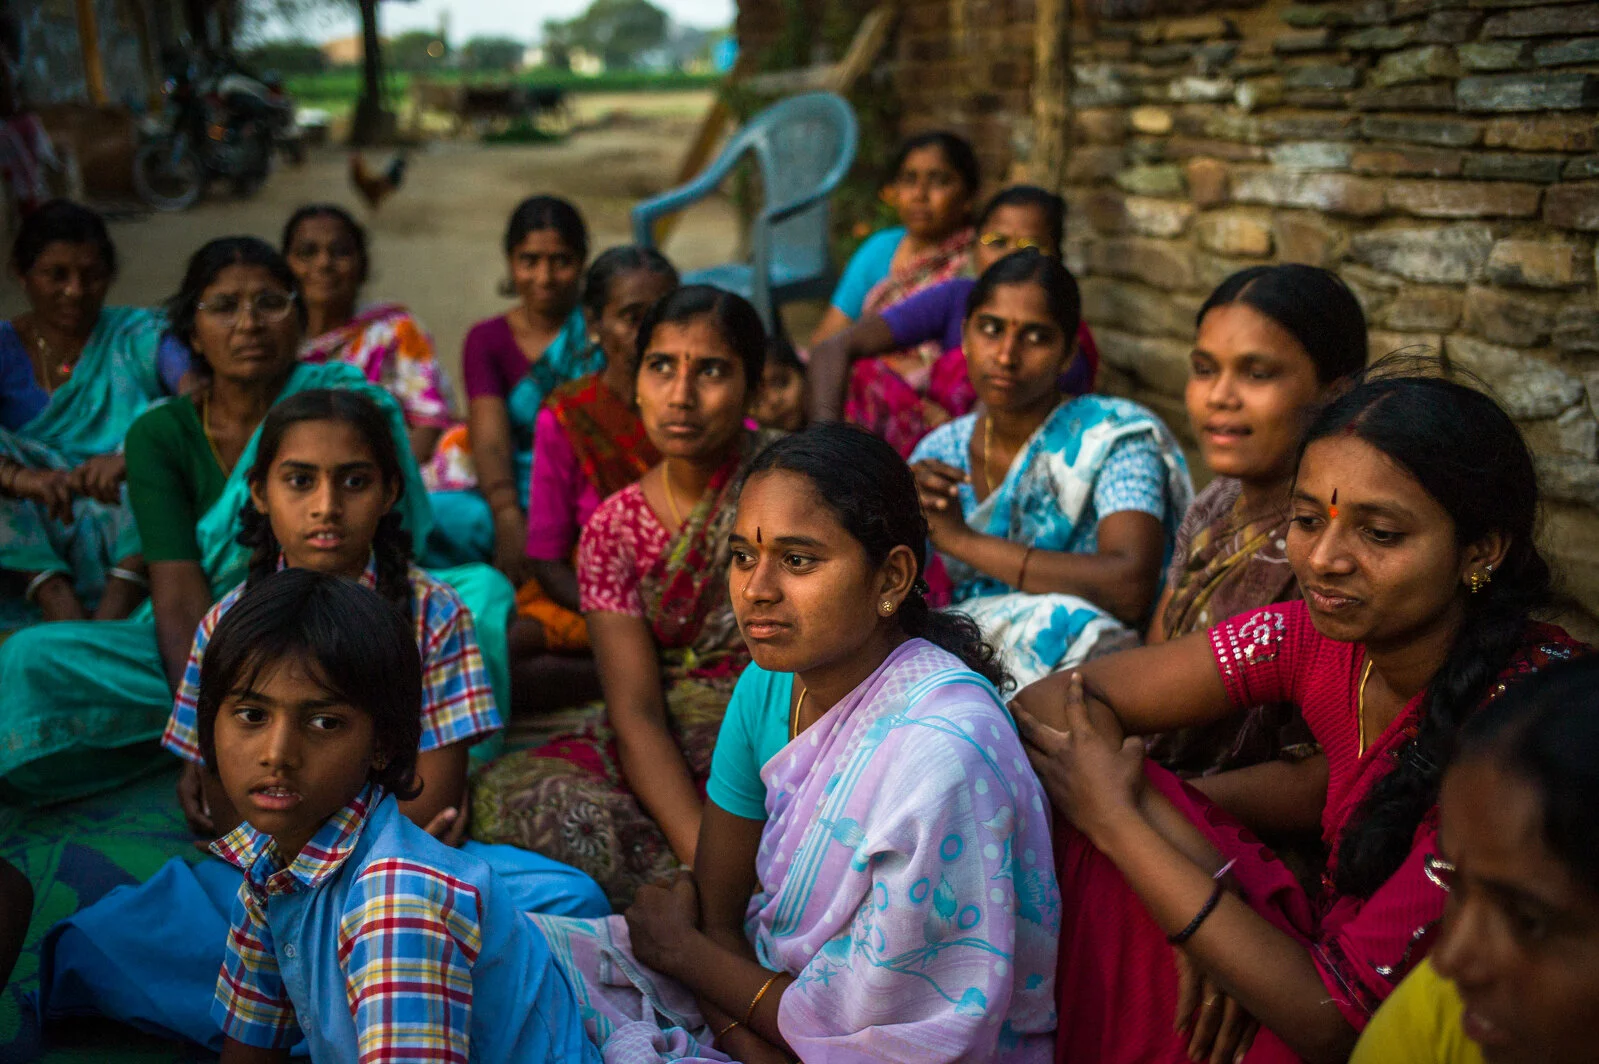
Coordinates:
(205,426)
(988,446)
(793,719)
(1360,709)
(671,496)
(42,357)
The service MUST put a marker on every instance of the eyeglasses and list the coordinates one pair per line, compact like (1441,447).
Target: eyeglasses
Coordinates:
(1001,242)
(270,307)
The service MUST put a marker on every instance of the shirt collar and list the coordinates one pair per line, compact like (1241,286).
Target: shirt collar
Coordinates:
(256,853)
(369,575)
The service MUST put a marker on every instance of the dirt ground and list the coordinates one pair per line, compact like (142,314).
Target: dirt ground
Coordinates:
(436,242)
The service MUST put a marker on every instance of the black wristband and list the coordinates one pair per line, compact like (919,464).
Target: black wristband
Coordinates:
(1193,925)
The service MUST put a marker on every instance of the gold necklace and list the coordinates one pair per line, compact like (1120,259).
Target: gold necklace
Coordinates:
(988,445)
(43,355)
(793,719)
(1360,709)
(205,426)
(671,497)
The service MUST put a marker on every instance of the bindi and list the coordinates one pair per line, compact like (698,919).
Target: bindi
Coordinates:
(757,533)
(1332,507)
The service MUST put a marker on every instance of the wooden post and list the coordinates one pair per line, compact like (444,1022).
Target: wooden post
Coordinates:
(1052,115)
(89,45)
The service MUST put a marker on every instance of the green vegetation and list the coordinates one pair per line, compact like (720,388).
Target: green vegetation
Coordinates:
(337,90)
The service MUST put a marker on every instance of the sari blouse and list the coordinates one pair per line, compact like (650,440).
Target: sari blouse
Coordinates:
(623,541)
(1362,947)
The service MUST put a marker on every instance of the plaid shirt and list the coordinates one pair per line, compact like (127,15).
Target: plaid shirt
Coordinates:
(457,701)
(407,939)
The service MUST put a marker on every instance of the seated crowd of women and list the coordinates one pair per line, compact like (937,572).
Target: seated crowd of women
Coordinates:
(948,735)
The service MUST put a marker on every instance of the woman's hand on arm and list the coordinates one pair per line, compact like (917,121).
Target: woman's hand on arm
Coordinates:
(1095,778)
(180,595)
(628,662)
(559,581)
(440,809)
(831,359)
(491,454)
(50,488)
(101,478)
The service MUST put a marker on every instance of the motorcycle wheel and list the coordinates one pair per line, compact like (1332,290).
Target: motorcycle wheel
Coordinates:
(164,183)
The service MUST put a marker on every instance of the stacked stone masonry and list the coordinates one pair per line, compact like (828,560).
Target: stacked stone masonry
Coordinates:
(1441,155)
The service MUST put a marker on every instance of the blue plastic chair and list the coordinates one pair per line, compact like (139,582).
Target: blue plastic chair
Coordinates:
(804,146)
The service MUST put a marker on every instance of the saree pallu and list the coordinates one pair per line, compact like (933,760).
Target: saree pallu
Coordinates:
(1117,978)
(86,701)
(907,888)
(1045,500)
(114,380)
(1227,563)
(393,351)
(878,397)
(608,439)
(568,799)
(463,522)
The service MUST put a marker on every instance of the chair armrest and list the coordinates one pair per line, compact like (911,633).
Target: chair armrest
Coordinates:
(672,200)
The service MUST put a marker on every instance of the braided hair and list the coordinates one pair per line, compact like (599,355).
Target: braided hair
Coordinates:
(391,545)
(872,492)
(1467,454)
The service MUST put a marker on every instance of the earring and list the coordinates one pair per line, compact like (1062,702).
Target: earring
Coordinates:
(1480,579)
(888,608)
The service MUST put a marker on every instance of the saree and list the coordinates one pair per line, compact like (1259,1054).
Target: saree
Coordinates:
(1047,500)
(391,350)
(85,701)
(906,885)
(1116,979)
(606,438)
(879,398)
(464,523)
(113,381)
(568,799)
(1226,562)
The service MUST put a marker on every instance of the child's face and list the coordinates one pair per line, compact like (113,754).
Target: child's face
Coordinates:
(324,495)
(780,404)
(290,754)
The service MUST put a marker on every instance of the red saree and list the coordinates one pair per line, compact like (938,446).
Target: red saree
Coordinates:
(1117,982)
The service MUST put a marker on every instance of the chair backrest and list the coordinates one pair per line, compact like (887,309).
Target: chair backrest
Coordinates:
(801,143)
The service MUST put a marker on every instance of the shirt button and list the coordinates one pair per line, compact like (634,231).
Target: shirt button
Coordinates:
(288,951)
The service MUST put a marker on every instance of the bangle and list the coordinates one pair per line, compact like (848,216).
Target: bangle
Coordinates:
(1204,912)
(39,581)
(1021,577)
(136,579)
(750,1012)
(723,1032)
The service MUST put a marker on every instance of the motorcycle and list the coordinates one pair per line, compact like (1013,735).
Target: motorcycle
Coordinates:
(221,126)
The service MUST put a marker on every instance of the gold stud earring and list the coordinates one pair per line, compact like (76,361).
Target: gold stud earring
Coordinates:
(888,607)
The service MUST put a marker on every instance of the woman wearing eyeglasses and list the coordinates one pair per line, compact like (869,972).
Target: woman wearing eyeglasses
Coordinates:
(903,407)
(85,702)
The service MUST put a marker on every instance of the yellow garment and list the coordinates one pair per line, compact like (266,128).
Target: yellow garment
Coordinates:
(1418,1024)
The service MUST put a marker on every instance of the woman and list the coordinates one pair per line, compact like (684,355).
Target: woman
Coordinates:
(1412,540)
(1514,975)
(84,704)
(73,376)
(589,443)
(327,250)
(1053,515)
(511,363)
(1274,344)
(931,183)
(877,808)
(902,410)
(623,802)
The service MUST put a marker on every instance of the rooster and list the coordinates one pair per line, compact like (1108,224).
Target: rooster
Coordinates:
(376,186)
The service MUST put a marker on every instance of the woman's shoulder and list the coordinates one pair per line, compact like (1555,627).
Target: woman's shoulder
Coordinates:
(1108,408)
(163,420)
(1212,504)
(947,443)
(489,332)
(884,241)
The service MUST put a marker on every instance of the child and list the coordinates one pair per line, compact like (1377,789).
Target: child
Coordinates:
(785,395)
(386,942)
(324,493)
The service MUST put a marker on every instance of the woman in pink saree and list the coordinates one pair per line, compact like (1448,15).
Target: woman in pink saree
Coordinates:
(904,907)
(1411,537)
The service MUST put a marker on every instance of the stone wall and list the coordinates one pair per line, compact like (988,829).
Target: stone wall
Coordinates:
(1441,155)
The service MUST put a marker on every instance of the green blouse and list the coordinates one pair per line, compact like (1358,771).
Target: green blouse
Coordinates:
(173,479)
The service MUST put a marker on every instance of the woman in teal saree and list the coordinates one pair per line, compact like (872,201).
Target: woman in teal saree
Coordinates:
(74,374)
(85,703)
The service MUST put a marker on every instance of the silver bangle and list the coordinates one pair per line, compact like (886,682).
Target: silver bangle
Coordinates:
(136,579)
(39,581)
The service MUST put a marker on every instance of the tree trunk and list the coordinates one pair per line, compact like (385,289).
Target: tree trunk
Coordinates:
(372,123)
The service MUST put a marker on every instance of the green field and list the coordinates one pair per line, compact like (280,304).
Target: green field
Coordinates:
(337,90)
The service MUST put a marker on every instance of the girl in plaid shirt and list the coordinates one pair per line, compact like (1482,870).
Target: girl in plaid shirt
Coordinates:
(354,927)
